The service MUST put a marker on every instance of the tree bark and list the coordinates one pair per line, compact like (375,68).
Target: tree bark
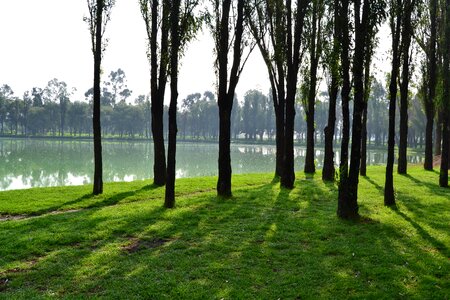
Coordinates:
(431,88)
(315,49)
(389,196)
(225,98)
(172,147)
(98,167)
(158,86)
(344,210)
(443,174)
(406,42)
(328,161)
(293,63)
(361,25)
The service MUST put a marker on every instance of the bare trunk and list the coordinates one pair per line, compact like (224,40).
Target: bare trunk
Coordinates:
(98,168)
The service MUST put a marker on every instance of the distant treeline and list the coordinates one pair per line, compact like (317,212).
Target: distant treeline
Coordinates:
(51,111)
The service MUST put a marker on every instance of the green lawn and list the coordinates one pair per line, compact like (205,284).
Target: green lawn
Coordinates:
(264,243)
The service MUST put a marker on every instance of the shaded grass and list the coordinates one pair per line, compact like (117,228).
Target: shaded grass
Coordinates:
(265,242)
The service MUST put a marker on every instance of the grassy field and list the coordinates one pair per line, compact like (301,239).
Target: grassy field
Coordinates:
(264,243)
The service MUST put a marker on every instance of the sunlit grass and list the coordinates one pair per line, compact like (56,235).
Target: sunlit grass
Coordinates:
(265,242)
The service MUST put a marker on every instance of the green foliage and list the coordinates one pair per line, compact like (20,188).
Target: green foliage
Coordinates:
(265,242)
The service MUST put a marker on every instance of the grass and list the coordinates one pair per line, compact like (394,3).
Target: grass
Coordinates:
(265,242)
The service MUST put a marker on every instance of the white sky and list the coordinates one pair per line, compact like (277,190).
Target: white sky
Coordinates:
(48,39)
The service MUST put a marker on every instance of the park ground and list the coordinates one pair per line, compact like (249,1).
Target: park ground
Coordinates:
(264,243)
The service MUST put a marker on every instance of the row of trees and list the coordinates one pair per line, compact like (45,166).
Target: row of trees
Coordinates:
(294,39)
(251,119)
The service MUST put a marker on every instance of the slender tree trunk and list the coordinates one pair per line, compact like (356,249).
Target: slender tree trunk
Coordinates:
(406,42)
(225,98)
(367,88)
(344,210)
(431,89)
(328,161)
(361,25)
(315,49)
(428,165)
(443,174)
(293,64)
(389,196)
(98,168)
(438,137)
(279,119)
(157,92)
(172,147)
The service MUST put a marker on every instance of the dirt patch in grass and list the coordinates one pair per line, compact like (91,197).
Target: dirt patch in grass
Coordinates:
(4,218)
(136,244)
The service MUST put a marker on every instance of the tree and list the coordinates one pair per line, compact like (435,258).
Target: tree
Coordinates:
(183,26)
(406,34)
(443,174)
(57,91)
(118,84)
(427,42)
(99,15)
(395,15)
(332,63)
(156,22)
(315,51)
(219,23)
(6,94)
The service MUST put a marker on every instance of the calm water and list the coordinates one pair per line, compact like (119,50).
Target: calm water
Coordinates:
(26,163)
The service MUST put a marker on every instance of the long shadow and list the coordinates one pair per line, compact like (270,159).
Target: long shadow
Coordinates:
(376,185)
(435,188)
(423,233)
(114,199)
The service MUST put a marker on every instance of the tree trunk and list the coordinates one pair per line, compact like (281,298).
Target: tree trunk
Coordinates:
(389,196)
(172,147)
(225,98)
(406,42)
(358,80)
(344,210)
(98,168)
(279,119)
(443,174)
(431,88)
(293,63)
(428,165)
(328,160)
(315,49)
(157,92)
(438,138)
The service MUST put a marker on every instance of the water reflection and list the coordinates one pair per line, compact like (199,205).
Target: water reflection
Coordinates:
(26,163)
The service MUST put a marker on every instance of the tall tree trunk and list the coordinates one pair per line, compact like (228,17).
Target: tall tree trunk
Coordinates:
(225,98)
(172,147)
(344,210)
(389,196)
(293,64)
(361,25)
(98,168)
(438,138)
(406,42)
(158,86)
(431,88)
(443,174)
(315,49)
(367,86)
(328,160)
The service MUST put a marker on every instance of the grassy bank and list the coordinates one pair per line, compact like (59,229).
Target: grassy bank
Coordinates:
(264,243)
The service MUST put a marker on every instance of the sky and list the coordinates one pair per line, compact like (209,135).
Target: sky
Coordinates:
(47,39)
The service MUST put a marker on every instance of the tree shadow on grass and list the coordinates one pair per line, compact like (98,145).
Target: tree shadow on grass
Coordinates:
(265,242)
(372,182)
(108,201)
(441,247)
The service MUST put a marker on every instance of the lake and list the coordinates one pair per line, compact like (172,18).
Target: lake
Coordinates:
(26,163)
